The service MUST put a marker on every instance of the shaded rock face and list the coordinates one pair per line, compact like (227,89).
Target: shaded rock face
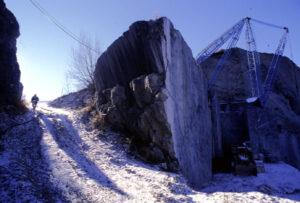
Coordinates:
(10,86)
(233,134)
(277,135)
(148,83)
(139,111)
(137,52)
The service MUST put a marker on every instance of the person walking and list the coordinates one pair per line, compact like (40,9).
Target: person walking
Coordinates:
(34,101)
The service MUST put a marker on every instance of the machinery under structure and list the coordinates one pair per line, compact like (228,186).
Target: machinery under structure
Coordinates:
(227,146)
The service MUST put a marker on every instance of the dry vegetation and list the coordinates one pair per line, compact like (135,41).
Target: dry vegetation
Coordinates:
(20,107)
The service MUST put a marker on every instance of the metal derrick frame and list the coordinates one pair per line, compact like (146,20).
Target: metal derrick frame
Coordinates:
(262,92)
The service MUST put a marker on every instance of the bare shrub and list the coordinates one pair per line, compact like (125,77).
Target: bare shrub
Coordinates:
(83,61)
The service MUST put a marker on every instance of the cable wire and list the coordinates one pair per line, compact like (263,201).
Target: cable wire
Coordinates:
(268,24)
(59,25)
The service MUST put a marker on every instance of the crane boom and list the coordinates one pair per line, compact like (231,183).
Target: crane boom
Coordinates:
(215,45)
(273,69)
(253,62)
(224,57)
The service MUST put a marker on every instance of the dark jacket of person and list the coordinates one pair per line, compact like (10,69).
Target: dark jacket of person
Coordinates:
(34,99)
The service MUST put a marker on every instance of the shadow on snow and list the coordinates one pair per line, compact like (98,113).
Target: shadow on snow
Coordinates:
(26,175)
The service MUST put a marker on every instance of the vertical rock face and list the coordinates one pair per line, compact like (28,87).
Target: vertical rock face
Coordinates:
(10,86)
(166,105)
(186,108)
(278,134)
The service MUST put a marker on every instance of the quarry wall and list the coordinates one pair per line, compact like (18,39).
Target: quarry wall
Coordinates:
(165,95)
(10,86)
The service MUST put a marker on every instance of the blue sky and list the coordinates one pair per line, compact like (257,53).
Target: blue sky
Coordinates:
(44,50)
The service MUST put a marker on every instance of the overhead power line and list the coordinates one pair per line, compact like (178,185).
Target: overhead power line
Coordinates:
(60,26)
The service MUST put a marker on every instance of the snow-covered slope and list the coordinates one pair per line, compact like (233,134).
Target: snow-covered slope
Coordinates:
(56,158)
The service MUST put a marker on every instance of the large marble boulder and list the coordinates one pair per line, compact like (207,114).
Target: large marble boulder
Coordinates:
(10,86)
(274,130)
(166,103)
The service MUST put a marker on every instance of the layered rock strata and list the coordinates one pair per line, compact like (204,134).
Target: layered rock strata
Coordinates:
(148,83)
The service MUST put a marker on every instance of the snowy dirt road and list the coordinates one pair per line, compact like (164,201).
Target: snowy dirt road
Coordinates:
(57,158)
(91,165)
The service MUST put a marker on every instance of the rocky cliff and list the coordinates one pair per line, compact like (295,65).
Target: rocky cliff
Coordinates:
(277,135)
(10,86)
(148,84)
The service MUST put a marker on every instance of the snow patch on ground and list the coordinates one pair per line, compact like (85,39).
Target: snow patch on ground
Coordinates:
(280,180)
(73,100)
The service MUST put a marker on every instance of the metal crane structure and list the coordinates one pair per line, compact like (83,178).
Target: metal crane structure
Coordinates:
(259,91)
